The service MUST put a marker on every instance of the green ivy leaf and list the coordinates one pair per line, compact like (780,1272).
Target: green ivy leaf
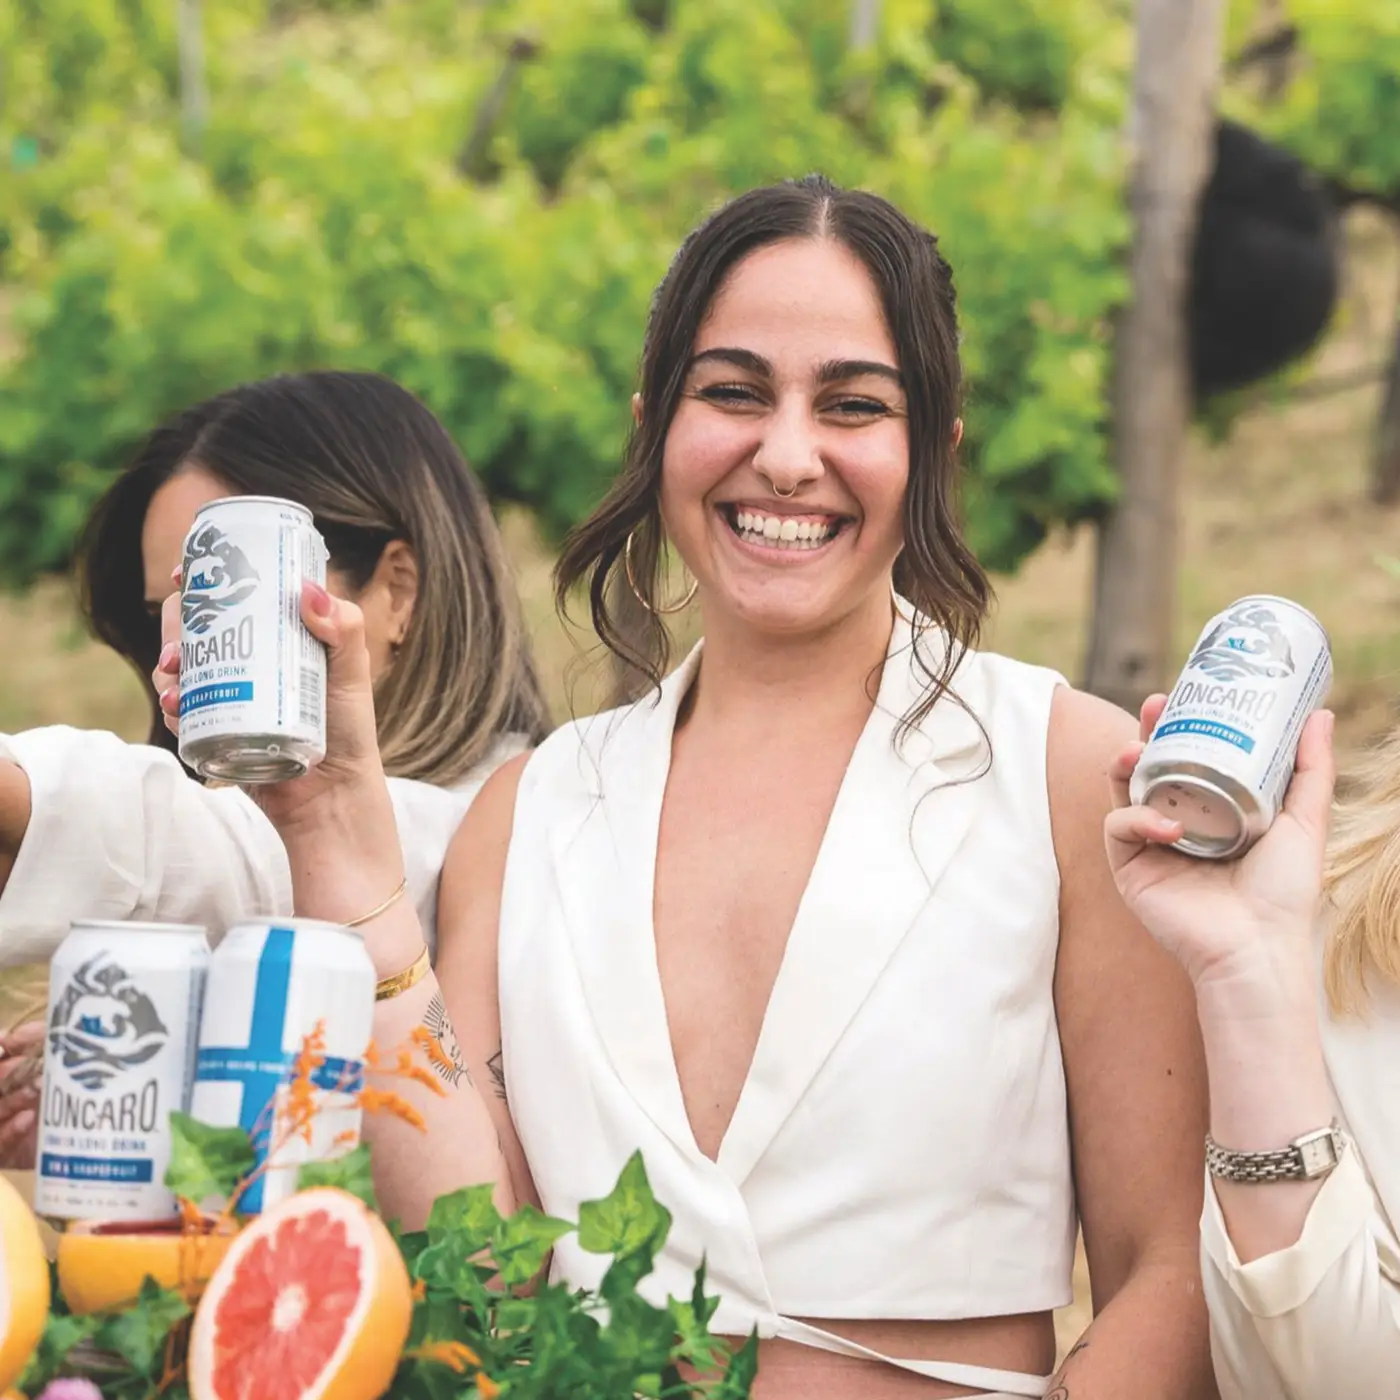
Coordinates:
(521,1244)
(628,1219)
(62,1332)
(740,1373)
(467,1217)
(138,1334)
(206,1161)
(350,1172)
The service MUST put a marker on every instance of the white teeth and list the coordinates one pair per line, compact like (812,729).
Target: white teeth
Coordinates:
(782,532)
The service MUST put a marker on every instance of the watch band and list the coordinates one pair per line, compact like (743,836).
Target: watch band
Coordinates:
(1306,1158)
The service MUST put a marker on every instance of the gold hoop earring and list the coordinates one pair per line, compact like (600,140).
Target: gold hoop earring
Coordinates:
(637,592)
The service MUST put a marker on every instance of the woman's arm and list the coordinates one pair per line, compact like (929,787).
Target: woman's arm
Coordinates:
(1302,1277)
(469,909)
(1136,1097)
(14,815)
(98,828)
(337,825)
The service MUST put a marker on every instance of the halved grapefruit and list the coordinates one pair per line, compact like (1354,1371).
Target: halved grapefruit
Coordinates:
(312,1302)
(24,1284)
(101,1265)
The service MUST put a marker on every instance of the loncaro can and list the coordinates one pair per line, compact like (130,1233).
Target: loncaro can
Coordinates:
(252,677)
(123,1024)
(1222,753)
(271,985)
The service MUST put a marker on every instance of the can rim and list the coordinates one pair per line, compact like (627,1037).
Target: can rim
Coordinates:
(294,923)
(1198,848)
(136,926)
(254,500)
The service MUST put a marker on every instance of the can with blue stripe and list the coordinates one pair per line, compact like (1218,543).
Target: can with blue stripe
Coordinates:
(271,985)
(1221,756)
(123,1023)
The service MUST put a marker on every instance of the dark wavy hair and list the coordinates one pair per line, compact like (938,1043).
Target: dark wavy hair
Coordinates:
(936,571)
(373,465)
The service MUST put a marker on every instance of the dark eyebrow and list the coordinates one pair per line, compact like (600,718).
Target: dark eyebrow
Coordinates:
(741,359)
(833,371)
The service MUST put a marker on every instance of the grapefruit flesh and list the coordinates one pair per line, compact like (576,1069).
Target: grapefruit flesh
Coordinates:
(24,1285)
(102,1266)
(311,1302)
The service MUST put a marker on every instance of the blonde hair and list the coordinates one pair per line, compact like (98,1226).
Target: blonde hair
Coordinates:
(1362,880)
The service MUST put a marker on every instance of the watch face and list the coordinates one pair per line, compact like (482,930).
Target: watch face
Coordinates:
(1318,1152)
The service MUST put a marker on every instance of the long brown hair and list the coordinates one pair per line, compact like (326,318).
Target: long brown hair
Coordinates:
(372,464)
(936,571)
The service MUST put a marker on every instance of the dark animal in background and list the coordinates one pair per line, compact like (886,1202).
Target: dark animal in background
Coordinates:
(1265,271)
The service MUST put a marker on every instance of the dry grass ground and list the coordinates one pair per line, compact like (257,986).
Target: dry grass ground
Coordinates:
(1281,507)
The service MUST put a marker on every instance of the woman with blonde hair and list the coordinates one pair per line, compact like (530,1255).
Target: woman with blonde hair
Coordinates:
(92,827)
(1294,952)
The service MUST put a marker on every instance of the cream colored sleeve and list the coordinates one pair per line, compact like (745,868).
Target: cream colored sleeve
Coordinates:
(121,831)
(1319,1320)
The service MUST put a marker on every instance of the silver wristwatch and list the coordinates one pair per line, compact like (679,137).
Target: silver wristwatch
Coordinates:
(1304,1159)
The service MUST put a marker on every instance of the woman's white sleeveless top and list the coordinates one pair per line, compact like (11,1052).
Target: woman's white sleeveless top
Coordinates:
(900,1148)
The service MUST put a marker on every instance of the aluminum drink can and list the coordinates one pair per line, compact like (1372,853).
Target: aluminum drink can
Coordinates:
(123,1026)
(1221,756)
(252,677)
(271,985)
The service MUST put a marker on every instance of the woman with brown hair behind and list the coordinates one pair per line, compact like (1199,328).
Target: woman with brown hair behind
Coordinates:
(1294,953)
(94,827)
(822,924)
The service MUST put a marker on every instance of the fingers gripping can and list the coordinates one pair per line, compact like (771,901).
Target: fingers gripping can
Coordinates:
(1222,753)
(271,985)
(252,677)
(123,1026)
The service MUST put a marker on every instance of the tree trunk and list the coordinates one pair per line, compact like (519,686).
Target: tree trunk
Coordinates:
(194,94)
(865,24)
(1174,83)
(1385,464)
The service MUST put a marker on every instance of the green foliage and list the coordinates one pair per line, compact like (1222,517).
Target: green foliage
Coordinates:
(348,1172)
(553,1343)
(206,1161)
(1341,108)
(328,224)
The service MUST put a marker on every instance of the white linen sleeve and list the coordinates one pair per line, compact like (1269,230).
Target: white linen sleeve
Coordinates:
(121,831)
(1319,1320)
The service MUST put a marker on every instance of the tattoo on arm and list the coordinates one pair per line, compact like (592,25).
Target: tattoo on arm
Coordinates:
(496,1068)
(1059,1390)
(448,1062)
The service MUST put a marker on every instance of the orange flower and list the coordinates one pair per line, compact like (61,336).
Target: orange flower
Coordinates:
(383,1101)
(456,1355)
(301,1092)
(486,1387)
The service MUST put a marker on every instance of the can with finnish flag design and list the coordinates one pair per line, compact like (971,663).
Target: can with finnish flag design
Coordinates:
(123,1022)
(252,677)
(271,985)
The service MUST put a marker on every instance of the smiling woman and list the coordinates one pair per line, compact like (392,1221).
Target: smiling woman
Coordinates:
(823,925)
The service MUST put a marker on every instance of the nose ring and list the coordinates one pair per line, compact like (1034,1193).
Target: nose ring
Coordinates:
(786,495)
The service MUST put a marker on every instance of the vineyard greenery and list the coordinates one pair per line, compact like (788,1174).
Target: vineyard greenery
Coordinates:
(478,198)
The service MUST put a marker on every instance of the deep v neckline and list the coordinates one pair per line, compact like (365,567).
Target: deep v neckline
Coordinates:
(778,998)
(861,896)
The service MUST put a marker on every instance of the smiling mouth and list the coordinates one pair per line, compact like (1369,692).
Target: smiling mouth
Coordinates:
(784,532)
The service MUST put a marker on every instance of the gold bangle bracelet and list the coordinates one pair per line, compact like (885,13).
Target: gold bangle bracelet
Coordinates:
(402,981)
(379,908)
